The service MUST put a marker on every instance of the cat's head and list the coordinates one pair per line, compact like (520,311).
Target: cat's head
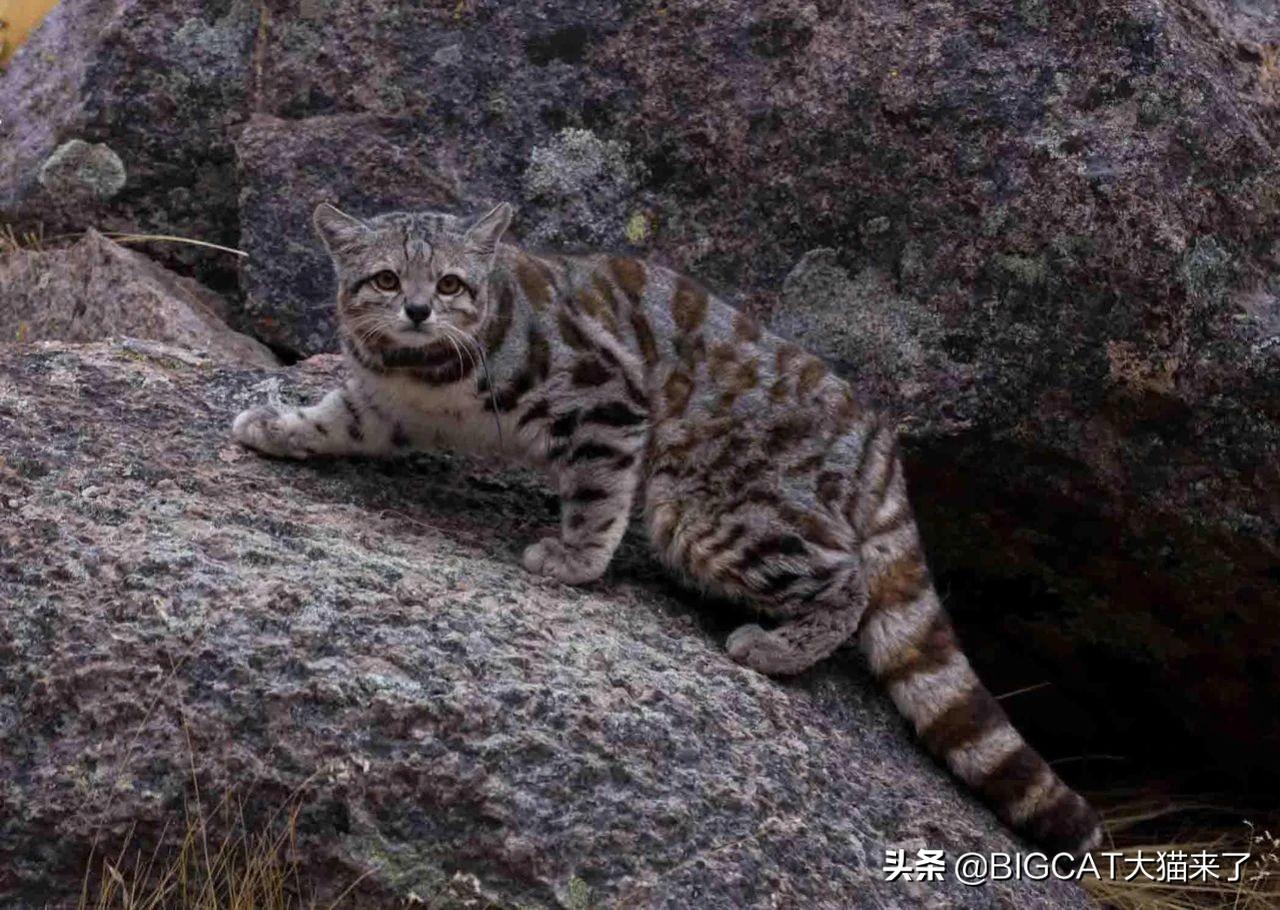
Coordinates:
(411,281)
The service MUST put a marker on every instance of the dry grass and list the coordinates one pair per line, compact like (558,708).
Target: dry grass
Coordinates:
(234,871)
(220,864)
(1177,828)
(11,240)
(170,238)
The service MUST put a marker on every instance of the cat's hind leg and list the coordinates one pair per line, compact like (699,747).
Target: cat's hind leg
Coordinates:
(797,644)
(786,563)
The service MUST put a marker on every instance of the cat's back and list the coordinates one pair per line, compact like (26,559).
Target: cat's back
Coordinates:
(742,366)
(668,315)
(722,389)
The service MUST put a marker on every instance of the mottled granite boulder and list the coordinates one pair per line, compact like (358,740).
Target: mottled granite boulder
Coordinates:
(179,612)
(97,289)
(1077,207)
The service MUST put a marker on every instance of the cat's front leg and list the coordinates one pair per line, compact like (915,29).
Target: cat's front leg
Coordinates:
(344,422)
(597,483)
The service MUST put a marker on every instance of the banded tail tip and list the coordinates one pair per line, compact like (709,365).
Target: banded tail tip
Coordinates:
(1067,825)
(1033,800)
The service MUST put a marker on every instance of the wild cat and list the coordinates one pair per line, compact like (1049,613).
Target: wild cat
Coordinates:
(762,477)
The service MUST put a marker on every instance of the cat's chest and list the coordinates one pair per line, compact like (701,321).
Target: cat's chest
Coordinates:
(452,416)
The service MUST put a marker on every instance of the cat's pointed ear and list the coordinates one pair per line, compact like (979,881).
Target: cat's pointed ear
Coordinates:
(336,228)
(483,236)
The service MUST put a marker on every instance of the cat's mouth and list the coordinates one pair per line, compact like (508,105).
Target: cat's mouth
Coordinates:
(437,354)
(417,335)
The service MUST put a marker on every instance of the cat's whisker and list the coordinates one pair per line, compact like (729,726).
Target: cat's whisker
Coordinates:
(365,326)
(450,333)
(462,367)
(471,340)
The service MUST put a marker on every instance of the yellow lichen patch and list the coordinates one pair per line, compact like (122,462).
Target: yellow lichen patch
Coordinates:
(637,228)
(1142,372)
(17,19)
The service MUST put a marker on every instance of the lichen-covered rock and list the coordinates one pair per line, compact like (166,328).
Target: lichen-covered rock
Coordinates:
(577,189)
(862,326)
(159,83)
(77,168)
(181,613)
(97,289)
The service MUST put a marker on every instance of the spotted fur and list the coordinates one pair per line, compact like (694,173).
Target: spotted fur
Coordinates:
(762,477)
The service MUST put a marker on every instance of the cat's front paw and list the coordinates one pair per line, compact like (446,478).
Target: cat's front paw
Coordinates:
(552,558)
(262,428)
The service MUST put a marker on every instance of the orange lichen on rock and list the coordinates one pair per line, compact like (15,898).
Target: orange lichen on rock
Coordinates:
(17,19)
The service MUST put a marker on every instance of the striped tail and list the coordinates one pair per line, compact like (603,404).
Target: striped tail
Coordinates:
(910,645)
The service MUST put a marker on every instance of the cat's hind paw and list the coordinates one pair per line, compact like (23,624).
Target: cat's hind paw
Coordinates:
(765,651)
(552,558)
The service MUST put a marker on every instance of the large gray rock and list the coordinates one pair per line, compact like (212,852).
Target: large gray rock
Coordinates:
(97,289)
(180,613)
(141,95)
(1051,233)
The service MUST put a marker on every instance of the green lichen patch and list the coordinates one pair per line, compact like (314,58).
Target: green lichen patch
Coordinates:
(78,168)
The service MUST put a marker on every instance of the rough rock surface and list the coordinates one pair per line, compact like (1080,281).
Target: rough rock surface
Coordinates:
(97,289)
(176,607)
(1076,205)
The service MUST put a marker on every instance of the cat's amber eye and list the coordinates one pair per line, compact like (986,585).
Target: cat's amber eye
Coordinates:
(449,285)
(386,280)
